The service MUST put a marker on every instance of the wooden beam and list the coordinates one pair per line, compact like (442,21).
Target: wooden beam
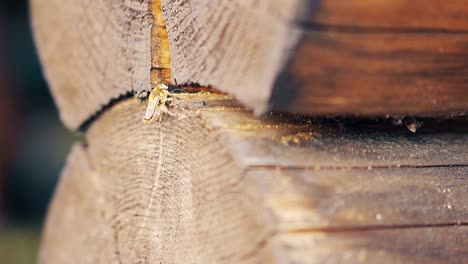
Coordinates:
(376,75)
(371,58)
(326,57)
(214,184)
(348,199)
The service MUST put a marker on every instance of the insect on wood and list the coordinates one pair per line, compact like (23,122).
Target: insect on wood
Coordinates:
(158,101)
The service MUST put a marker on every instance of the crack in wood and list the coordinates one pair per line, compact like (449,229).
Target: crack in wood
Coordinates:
(153,189)
(370,167)
(338,229)
(88,122)
(175,89)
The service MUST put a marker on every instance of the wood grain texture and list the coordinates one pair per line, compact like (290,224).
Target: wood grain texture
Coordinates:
(170,192)
(377,75)
(78,230)
(418,245)
(329,57)
(394,15)
(330,200)
(216,185)
(236,46)
(92,52)
(369,57)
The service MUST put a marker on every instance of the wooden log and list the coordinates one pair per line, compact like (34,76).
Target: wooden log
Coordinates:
(377,75)
(158,192)
(324,57)
(213,184)
(327,57)
(93,52)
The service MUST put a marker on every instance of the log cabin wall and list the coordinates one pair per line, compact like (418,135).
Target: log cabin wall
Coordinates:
(211,182)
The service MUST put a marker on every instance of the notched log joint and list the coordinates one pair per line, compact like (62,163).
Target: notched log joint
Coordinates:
(160,71)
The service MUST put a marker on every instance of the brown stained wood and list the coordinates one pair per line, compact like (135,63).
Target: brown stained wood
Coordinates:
(378,74)
(92,51)
(216,185)
(396,15)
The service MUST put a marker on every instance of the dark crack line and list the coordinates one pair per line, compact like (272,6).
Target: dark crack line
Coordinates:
(88,122)
(312,26)
(370,228)
(175,89)
(331,168)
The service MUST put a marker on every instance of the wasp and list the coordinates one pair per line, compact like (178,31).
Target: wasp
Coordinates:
(159,100)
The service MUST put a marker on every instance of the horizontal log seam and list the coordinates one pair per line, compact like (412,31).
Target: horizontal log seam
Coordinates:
(311,26)
(331,168)
(90,120)
(131,94)
(370,228)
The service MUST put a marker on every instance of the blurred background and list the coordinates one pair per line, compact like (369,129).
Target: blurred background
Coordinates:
(33,142)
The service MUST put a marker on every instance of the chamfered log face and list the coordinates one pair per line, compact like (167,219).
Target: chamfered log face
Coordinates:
(92,52)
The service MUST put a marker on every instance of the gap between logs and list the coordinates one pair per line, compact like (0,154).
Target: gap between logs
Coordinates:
(311,26)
